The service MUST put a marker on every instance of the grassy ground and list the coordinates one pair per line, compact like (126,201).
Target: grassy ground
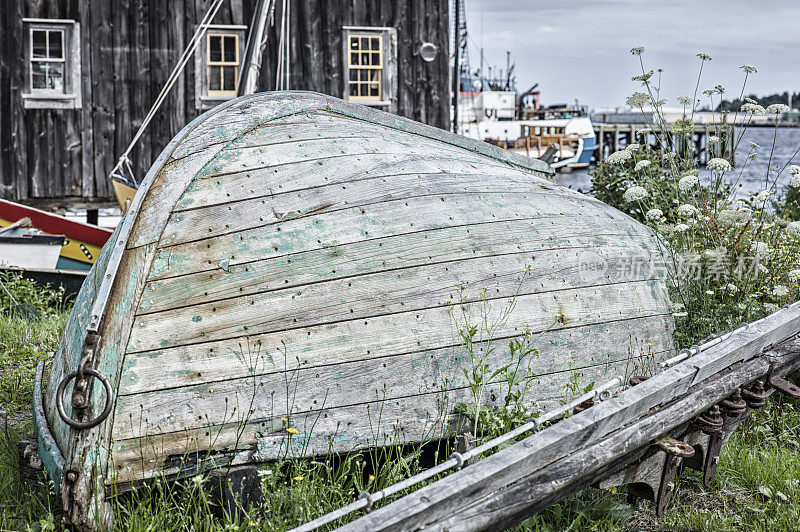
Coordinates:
(757,487)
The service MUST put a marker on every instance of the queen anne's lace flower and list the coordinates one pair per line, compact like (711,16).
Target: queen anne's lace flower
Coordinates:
(687,182)
(718,164)
(780,291)
(641,165)
(793,229)
(763,196)
(618,157)
(637,99)
(732,288)
(795,182)
(794,275)
(687,210)
(761,248)
(654,215)
(637,50)
(730,217)
(680,228)
(753,108)
(754,145)
(685,100)
(713,139)
(777,108)
(749,69)
(643,77)
(771,308)
(704,57)
(794,169)
(635,193)
(633,146)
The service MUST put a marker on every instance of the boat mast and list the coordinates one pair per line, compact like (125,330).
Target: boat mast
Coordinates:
(456,70)
(256,43)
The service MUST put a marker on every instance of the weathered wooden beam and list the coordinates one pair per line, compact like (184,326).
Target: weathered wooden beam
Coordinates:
(523,479)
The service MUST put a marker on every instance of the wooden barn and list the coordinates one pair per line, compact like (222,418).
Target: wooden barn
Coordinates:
(77,77)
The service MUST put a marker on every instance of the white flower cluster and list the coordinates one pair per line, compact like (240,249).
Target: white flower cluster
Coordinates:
(687,210)
(731,288)
(754,109)
(680,228)
(729,217)
(637,99)
(794,275)
(793,169)
(635,193)
(778,108)
(641,165)
(795,182)
(718,164)
(763,196)
(633,146)
(688,181)
(793,229)
(761,248)
(713,139)
(754,145)
(685,100)
(654,215)
(618,157)
(780,291)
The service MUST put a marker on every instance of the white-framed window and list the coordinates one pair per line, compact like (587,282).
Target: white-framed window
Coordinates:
(218,64)
(53,67)
(370,64)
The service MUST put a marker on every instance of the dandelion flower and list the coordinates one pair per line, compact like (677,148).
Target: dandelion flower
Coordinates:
(753,108)
(718,164)
(371,478)
(794,275)
(793,169)
(637,50)
(688,181)
(780,291)
(641,165)
(704,57)
(291,430)
(635,193)
(749,69)
(298,478)
(654,214)
(771,308)
(637,99)
(754,145)
(795,182)
(681,228)
(618,157)
(777,108)
(283,419)
(687,210)
(793,229)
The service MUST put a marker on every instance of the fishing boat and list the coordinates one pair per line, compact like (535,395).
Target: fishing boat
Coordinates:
(285,281)
(561,134)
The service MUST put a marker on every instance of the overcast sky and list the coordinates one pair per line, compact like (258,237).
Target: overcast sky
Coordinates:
(579,48)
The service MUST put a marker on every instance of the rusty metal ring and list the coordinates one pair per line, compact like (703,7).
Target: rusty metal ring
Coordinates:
(62,386)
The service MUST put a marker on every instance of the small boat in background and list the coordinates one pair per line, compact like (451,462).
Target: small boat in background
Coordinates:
(78,244)
(124,191)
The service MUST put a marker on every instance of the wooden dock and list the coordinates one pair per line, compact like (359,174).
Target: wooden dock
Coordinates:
(613,137)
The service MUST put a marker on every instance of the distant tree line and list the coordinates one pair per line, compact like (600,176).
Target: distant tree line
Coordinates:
(734,105)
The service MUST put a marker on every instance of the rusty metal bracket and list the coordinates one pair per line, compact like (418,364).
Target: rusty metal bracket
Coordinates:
(712,458)
(676,451)
(710,421)
(637,379)
(782,385)
(734,405)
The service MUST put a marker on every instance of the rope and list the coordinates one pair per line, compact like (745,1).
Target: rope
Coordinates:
(456,460)
(283,73)
(173,77)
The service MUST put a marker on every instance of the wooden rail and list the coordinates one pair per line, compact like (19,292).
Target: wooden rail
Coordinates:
(617,440)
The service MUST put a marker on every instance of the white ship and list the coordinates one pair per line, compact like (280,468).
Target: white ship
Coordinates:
(559,134)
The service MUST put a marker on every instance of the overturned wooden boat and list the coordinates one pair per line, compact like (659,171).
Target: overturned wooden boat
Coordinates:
(291,261)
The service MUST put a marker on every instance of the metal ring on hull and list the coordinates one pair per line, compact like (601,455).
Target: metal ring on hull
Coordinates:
(62,386)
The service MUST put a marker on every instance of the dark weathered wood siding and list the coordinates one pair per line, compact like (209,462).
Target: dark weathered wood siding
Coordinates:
(128,48)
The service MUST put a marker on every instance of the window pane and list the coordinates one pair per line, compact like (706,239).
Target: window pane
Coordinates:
(39,38)
(38,75)
(375,43)
(230,48)
(215,48)
(354,43)
(376,58)
(353,74)
(365,58)
(55,76)
(364,43)
(229,78)
(56,44)
(354,89)
(214,78)
(354,59)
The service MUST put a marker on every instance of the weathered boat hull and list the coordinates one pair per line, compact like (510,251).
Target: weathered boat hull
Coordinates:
(291,262)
